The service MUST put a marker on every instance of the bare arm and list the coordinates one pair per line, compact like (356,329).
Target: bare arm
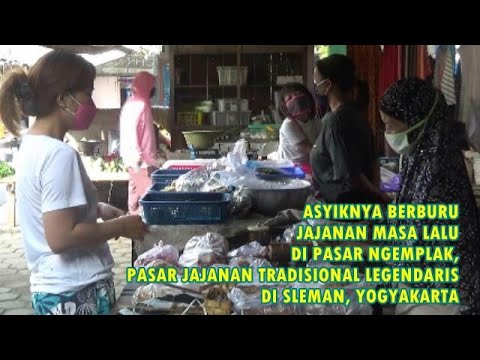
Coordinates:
(63,233)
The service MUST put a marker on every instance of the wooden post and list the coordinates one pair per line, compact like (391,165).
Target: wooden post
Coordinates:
(173,128)
(239,83)
(310,64)
(239,64)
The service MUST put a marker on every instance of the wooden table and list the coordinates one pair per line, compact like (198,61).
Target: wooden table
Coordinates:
(125,299)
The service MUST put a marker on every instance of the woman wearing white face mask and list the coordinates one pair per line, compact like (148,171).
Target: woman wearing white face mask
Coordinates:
(343,158)
(433,171)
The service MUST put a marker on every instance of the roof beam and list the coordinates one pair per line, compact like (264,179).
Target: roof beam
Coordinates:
(89,49)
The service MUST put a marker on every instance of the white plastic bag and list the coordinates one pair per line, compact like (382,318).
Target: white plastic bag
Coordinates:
(204,250)
(254,249)
(166,253)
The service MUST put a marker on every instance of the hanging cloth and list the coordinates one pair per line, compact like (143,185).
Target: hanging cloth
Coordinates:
(367,60)
(470,92)
(424,70)
(444,78)
(389,68)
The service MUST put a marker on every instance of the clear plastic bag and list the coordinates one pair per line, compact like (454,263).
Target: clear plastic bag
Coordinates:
(248,302)
(158,263)
(237,159)
(241,204)
(354,308)
(254,249)
(249,261)
(290,234)
(204,250)
(166,253)
(153,291)
(192,181)
(212,185)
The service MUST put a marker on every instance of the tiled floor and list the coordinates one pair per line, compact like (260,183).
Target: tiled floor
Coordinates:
(14,275)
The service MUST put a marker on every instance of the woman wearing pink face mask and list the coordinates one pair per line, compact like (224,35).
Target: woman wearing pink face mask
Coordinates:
(300,129)
(66,249)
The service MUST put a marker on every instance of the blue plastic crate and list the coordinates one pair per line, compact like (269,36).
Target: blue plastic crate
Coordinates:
(158,187)
(164,208)
(166,177)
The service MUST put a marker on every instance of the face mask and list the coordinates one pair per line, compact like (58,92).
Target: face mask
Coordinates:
(84,115)
(319,91)
(299,107)
(399,142)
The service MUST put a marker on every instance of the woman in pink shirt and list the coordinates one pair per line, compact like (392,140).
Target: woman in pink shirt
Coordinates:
(138,145)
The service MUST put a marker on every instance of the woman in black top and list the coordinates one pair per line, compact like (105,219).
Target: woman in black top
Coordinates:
(433,172)
(343,157)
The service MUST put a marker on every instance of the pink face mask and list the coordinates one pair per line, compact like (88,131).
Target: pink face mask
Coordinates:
(84,115)
(300,107)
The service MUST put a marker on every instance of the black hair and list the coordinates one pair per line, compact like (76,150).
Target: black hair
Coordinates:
(339,69)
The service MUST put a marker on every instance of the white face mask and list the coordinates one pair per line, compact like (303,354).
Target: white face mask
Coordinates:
(399,141)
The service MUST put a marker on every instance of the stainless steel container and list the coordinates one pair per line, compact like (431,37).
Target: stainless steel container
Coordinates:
(270,202)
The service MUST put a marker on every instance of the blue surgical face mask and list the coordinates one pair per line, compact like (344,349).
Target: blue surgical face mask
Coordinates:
(399,142)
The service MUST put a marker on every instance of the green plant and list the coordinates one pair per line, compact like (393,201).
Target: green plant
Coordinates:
(322,51)
(6,170)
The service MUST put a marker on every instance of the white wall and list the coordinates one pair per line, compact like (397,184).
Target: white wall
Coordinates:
(107,92)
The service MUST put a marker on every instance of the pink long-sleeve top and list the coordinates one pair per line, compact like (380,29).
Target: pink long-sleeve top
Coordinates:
(138,146)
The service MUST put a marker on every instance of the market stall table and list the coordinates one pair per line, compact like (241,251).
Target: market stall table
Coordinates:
(178,235)
(125,299)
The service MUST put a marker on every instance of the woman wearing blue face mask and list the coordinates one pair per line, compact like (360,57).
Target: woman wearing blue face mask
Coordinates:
(65,248)
(433,171)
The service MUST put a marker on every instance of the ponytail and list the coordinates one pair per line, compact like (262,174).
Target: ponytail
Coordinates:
(16,99)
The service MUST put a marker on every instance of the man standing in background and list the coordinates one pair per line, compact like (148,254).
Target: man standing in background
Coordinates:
(138,145)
